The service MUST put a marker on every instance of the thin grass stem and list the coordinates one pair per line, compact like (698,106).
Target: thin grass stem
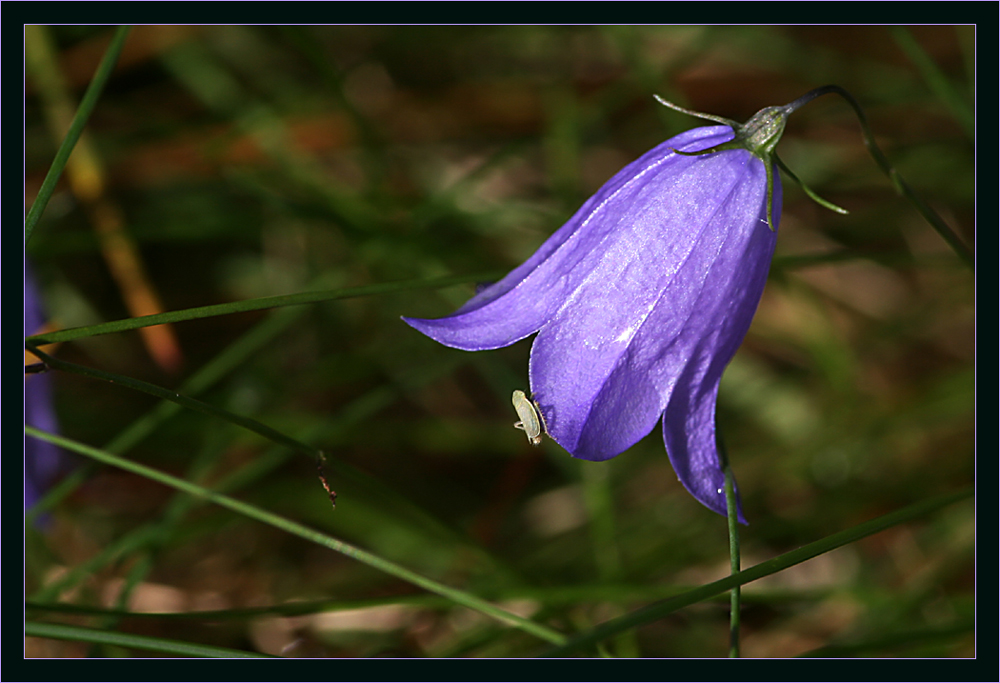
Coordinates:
(83,113)
(132,641)
(259,304)
(662,608)
(252,512)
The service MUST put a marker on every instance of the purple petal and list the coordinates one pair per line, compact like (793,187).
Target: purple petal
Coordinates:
(723,311)
(533,293)
(640,301)
(603,369)
(42,460)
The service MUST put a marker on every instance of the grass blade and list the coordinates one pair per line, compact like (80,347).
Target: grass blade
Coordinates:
(83,112)
(256,305)
(128,640)
(457,596)
(661,609)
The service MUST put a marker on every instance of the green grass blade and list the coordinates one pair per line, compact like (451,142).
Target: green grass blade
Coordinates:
(212,372)
(550,596)
(257,305)
(128,640)
(83,113)
(960,248)
(936,80)
(895,641)
(661,609)
(111,552)
(457,596)
(185,401)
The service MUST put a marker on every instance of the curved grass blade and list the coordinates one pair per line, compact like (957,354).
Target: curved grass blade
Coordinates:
(202,380)
(961,249)
(257,305)
(287,609)
(549,596)
(936,80)
(186,401)
(400,506)
(83,112)
(661,609)
(396,506)
(122,547)
(455,595)
(128,640)
(895,641)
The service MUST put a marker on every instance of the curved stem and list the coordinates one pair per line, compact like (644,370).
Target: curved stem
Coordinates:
(734,547)
(935,221)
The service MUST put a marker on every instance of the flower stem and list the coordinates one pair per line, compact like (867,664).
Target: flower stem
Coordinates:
(734,549)
(734,563)
(659,610)
(943,229)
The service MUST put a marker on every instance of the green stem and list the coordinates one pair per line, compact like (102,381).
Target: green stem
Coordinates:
(935,221)
(659,610)
(83,112)
(732,518)
(734,565)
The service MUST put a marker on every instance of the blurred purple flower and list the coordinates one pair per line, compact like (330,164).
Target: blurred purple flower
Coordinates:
(641,299)
(42,460)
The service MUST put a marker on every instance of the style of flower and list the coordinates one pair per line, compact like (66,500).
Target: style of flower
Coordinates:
(641,299)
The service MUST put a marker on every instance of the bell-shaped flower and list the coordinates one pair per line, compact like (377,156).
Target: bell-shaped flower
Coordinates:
(641,299)
(42,460)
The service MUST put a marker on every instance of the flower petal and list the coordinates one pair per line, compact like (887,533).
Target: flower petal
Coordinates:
(723,311)
(603,369)
(42,460)
(534,292)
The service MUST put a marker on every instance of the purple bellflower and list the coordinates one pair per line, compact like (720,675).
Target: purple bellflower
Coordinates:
(42,460)
(641,299)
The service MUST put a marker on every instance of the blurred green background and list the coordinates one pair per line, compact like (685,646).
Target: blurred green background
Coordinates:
(228,162)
